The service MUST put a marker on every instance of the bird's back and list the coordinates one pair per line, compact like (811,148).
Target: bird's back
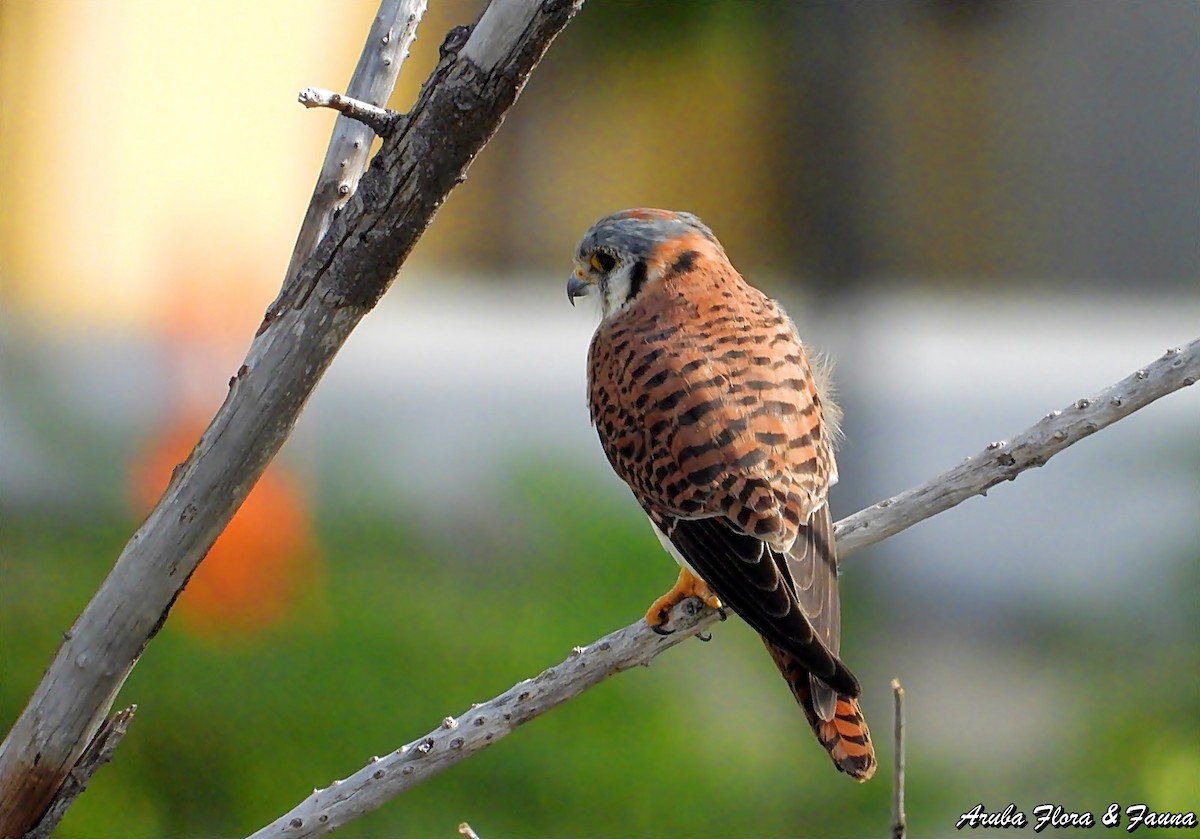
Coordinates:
(707,405)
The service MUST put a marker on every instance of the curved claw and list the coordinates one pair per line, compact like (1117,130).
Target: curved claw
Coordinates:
(662,631)
(689,590)
(704,636)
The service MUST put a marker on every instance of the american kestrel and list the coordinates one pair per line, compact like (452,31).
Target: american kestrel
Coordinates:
(707,407)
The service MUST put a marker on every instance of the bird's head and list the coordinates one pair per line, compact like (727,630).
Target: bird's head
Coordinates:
(624,255)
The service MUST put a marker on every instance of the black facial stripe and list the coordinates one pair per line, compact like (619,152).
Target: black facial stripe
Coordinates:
(637,278)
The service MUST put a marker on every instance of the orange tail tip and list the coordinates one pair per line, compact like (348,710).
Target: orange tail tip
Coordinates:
(845,736)
(847,739)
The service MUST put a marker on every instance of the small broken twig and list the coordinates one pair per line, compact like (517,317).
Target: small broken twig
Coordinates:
(380,120)
(465,829)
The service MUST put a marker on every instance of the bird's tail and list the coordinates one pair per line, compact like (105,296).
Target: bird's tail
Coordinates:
(845,734)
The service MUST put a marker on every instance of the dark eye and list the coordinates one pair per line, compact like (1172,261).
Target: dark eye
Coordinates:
(603,262)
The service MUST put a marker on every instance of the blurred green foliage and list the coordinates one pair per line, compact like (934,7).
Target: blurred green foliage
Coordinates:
(416,619)
(412,626)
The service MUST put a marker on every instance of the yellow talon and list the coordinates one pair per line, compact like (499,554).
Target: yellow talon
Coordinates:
(688,585)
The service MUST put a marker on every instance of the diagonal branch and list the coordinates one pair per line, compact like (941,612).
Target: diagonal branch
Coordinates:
(455,739)
(1004,460)
(458,110)
(387,45)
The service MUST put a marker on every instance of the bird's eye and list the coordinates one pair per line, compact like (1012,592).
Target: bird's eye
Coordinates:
(603,262)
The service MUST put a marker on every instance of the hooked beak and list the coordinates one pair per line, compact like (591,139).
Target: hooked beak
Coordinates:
(577,287)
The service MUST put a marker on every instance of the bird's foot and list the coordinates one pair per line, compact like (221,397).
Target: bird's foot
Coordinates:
(688,585)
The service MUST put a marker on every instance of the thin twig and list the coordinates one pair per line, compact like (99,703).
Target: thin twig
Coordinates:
(899,820)
(379,120)
(465,829)
(455,739)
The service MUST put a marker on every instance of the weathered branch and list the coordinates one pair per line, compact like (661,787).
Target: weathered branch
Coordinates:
(459,109)
(455,739)
(387,46)
(1004,460)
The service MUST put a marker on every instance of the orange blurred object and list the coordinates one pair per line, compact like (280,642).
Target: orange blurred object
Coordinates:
(258,567)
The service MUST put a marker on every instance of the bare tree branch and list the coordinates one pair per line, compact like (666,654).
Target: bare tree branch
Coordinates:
(387,45)
(459,108)
(456,739)
(1004,460)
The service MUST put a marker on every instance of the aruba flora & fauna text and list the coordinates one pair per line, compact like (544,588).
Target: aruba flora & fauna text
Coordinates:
(1056,816)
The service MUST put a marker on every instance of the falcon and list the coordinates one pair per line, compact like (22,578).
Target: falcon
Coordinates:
(708,408)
